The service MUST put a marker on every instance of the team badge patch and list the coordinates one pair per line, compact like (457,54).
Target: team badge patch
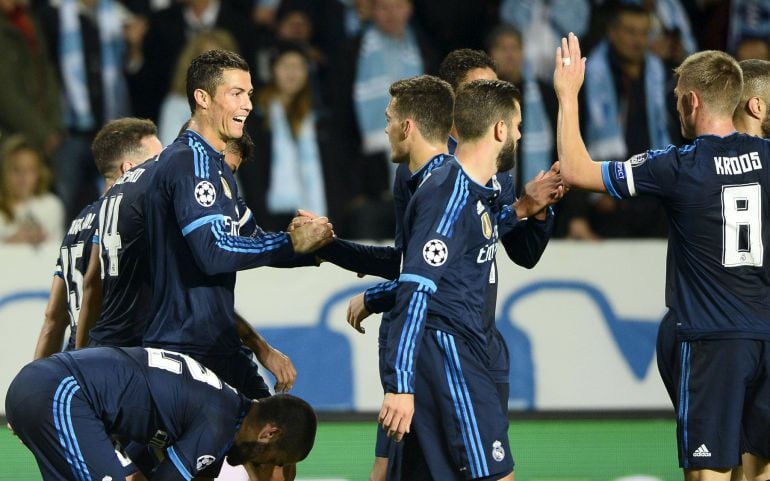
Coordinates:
(435,252)
(486,225)
(498,453)
(205,194)
(204,461)
(638,159)
(226,188)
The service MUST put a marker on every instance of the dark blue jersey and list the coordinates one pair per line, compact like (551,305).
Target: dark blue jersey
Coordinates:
(192,221)
(715,193)
(124,255)
(74,254)
(163,399)
(450,234)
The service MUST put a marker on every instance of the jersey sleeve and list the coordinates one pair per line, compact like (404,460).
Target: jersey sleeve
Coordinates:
(527,240)
(435,237)
(381,261)
(199,203)
(381,297)
(653,172)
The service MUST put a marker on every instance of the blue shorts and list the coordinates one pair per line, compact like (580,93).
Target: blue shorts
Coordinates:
(667,352)
(459,429)
(238,370)
(722,402)
(50,414)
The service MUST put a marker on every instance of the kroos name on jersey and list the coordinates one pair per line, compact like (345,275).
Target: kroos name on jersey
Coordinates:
(738,165)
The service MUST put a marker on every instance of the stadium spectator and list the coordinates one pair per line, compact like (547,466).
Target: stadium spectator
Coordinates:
(29,213)
(85,38)
(542,23)
(175,111)
(149,396)
(389,49)
(30,103)
(292,169)
(753,47)
(716,291)
(748,19)
(626,111)
(537,150)
(168,32)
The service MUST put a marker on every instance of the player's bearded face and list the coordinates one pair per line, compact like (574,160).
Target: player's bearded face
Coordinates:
(232,103)
(506,159)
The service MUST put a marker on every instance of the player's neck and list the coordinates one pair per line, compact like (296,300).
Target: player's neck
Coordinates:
(422,153)
(478,160)
(721,126)
(748,125)
(208,132)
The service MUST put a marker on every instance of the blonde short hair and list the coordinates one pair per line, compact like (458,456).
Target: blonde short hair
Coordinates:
(717,78)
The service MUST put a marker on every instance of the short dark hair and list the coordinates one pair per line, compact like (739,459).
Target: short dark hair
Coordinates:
(243,146)
(205,72)
(428,100)
(295,418)
(481,103)
(756,80)
(458,63)
(118,139)
(624,8)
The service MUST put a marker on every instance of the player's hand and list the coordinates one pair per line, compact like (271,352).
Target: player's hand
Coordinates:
(357,312)
(281,367)
(570,68)
(303,217)
(539,193)
(396,414)
(312,235)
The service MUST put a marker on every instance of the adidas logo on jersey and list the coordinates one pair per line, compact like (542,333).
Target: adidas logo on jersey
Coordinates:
(702,452)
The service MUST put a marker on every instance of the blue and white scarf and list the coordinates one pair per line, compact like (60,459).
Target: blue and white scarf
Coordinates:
(605,138)
(296,175)
(537,131)
(382,60)
(79,113)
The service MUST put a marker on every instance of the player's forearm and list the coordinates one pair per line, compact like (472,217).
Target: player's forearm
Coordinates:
(577,167)
(220,253)
(251,338)
(51,337)
(381,261)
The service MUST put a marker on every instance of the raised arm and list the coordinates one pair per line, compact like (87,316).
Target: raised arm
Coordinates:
(577,167)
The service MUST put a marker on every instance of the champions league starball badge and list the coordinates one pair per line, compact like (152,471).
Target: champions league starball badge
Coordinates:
(205,194)
(435,252)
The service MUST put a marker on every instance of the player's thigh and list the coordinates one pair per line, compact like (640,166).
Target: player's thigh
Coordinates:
(51,415)
(756,415)
(667,352)
(711,393)
(457,407)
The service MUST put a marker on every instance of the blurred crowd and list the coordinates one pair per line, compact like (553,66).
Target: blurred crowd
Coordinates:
(321,71)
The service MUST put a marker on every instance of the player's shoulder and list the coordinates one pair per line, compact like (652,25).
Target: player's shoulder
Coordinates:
(441,178)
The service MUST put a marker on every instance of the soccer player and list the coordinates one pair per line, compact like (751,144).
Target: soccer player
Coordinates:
(435,365)
(751,117)
(117,147)
(68,408)
(715,191)
(192,221)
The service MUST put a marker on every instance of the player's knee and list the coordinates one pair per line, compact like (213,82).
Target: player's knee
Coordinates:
(707,475)
(379,470)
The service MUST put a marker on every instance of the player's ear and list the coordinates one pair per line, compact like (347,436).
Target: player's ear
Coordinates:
(407,126)
(755,107)
(269,432)
(499,131)
(201,98)
(125,166)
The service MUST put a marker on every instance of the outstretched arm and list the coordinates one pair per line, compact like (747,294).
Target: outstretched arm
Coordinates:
(577,167)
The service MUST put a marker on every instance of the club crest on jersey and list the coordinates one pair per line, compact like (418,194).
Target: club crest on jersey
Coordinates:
(486,225)
(226,188)
(435,252)
(204,461)
(498,453)
(205,194)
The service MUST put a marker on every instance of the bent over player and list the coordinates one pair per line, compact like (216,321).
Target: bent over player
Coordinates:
(68,408)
